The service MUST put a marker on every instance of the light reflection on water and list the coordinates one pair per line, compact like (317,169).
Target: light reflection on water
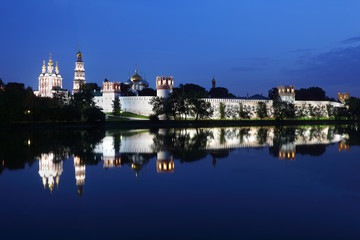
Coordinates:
(217,165)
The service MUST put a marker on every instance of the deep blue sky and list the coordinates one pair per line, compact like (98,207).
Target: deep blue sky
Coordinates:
(250,46)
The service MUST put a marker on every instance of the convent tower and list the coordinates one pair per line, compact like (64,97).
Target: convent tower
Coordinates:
(79,73)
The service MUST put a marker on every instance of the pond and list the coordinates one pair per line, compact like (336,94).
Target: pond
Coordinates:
(204,183)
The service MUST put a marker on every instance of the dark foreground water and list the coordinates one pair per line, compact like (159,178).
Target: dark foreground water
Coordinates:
(219,183)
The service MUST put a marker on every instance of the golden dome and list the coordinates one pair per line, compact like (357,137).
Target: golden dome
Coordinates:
(136,77)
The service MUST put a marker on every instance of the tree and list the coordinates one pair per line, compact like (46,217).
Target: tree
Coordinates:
(330,110)
(116,106)
(283,110)
(220,92)
(261,110)
(273,94)
(231,111)
(353,105)
(147,92)
(312,93)
(94,115)
(222,110)
(200,108)
(300,111)
(244,112)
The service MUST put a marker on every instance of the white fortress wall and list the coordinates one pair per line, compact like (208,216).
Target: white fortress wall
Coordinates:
(139,105)
(249,104)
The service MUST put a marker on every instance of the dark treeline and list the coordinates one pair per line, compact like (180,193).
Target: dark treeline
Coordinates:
(18,104)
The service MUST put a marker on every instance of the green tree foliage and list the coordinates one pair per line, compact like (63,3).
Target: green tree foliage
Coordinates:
(126,90)
(283,110)
(182,102)
(244,112)
(199,107)
(222,110)
(274,94)
(261,110)
(330,110)
(312,93)
(220,92)
(300,111)
(116,106)
(147,92)
(21,105)
(353,105)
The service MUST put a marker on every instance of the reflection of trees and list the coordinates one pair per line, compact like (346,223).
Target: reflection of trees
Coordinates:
(182,145)
(312,150)
(18,148)
(243,134)
(262,135)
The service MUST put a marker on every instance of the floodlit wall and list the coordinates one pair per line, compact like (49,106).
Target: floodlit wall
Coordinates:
(141,105)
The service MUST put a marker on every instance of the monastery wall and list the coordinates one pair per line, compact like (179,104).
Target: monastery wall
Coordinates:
(139,105)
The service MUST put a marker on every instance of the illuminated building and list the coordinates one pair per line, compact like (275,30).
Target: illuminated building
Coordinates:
(79,73)
(79,174)
(342,97)
(164,162)
(50,170)
(50,81)
(287,93)
(164,86)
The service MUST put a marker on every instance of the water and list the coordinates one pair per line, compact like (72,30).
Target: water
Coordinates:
(218,183)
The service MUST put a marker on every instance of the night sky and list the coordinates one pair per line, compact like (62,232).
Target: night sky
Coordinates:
(249,46)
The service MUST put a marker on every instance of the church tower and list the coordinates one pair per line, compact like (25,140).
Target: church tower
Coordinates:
(79,73)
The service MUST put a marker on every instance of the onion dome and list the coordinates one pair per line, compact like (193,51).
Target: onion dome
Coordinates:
(129,82)
(136,77)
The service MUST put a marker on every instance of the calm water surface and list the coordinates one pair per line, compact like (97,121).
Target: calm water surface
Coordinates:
(218,183)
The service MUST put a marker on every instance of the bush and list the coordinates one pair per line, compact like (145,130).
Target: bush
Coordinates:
(94,114)
(153,117)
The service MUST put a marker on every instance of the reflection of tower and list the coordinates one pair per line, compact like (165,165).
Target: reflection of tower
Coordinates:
(79,174)
(111,157)
(50,170)
(342,146)
(287,151)
(164,162)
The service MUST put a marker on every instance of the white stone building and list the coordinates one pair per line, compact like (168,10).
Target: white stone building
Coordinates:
(50,81)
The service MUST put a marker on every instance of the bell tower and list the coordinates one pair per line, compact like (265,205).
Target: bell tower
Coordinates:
(79,73)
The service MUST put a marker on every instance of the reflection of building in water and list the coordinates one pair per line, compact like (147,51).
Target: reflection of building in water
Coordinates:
(164,162)
(50,170)
(287,152)
(79,174)
(110,156)
(342,146)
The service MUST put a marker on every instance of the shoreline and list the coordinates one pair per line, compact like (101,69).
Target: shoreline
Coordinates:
(143,124)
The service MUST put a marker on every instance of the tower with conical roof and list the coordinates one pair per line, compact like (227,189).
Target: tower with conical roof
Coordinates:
(79,73)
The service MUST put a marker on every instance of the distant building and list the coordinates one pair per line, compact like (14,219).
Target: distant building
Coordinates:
(342,97)
(79,73)
(213,83)
(50,81)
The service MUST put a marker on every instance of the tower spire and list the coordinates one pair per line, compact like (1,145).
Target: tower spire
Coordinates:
(56,68)
(135,68)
